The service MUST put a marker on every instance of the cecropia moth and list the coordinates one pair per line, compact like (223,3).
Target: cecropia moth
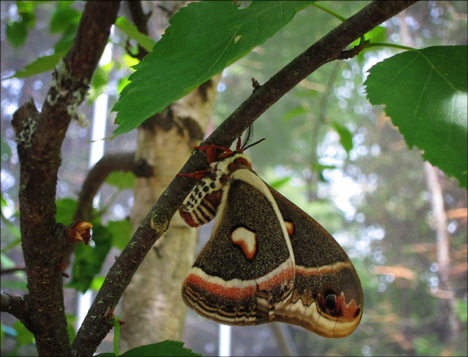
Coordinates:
(266,260)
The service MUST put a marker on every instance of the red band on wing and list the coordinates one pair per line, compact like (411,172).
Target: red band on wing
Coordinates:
(281,278)
(222,291)
(328,269)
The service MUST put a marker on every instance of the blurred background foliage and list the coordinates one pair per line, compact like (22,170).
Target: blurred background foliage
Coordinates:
(327,149)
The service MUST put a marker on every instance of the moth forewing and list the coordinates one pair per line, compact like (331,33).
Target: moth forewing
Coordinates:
(234,281)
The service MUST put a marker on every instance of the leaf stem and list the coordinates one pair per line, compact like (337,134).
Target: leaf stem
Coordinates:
(116,335)
(331,12)
(400,47)
(342,18)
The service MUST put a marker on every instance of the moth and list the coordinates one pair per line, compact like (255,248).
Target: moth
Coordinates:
(266,260)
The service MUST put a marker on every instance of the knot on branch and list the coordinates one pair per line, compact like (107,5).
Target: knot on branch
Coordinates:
(24,123)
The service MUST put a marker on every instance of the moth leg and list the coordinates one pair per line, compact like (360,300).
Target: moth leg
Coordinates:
(222,148)
(198,175)
(211,152)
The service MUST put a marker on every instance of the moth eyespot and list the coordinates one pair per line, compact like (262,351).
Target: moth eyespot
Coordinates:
(331,302)
(213,184)
(206,189)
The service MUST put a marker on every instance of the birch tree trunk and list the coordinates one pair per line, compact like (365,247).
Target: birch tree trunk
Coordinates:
(152,304)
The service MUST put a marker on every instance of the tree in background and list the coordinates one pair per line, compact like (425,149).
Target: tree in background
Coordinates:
(358,144)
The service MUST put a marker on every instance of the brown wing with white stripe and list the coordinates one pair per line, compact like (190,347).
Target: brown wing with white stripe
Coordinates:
(246,270)
(327,297)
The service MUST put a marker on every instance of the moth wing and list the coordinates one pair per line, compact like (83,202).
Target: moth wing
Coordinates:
(246,269)
(327,297)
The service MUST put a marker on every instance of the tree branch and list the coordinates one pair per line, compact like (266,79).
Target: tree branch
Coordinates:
(12,270)
(39,138)
(140,19)
(18,306)
(122,161)
(330,47)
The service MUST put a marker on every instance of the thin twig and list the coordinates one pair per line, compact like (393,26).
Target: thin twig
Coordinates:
(12,270)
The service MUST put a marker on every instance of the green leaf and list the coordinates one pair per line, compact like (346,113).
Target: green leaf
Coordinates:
(131,31)
(123,180)
(461,310)
(24,337)
(6,262)
(63,18)
(278,183)
(5,149)
(123,82)
(98,83)
(203,38)
(42,64)
(121,233)
(11,227)
(97,283)
(377,34)
(64,44)
(319,167)
(346,138)
(305,93)
(425,93)
(15,231)
(66,208)
(294,113)
(16,33)
(89,259)
(71,320)
(164,348)
(18,285)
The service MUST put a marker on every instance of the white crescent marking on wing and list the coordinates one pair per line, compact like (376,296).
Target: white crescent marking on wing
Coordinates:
(255,181)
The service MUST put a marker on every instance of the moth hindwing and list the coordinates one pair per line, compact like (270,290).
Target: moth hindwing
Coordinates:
(266,260)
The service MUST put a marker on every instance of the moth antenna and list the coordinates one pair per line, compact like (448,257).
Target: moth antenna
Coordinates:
(248,137)
(255,143)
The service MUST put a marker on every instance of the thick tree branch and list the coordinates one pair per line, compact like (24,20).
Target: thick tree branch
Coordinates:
(140,20)
(122,161)
(39,138)
(330,47)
